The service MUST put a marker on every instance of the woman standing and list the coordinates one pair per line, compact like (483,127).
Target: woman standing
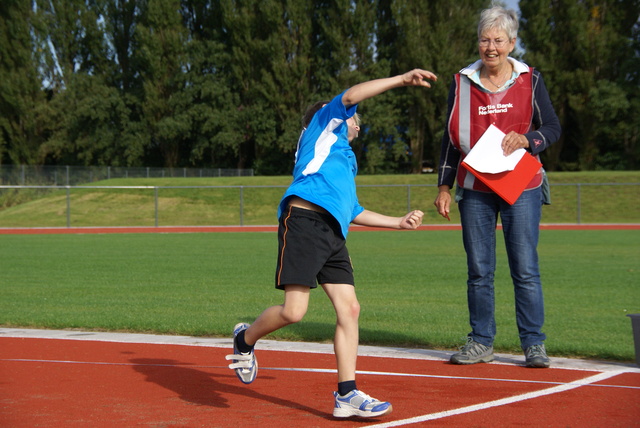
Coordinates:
(509,94)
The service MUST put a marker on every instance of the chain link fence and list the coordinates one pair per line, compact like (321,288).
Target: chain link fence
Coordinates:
(34,175)
(111,206)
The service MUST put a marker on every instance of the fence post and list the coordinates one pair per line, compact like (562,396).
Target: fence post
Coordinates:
(578,202)
(241,205)
(155,192)
(68,206)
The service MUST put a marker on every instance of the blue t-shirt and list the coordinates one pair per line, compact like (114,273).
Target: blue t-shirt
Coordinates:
(325,165)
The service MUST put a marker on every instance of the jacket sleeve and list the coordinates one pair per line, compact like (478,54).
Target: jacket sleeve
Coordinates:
(449,155)
(546,124)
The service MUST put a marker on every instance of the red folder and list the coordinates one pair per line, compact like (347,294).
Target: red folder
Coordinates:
(509,185)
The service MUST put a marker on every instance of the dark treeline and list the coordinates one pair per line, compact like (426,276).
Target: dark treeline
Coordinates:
(223,83)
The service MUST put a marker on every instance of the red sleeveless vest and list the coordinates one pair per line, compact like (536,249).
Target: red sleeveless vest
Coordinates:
(474,110)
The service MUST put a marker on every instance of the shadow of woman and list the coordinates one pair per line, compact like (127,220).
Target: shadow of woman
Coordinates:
(202,388)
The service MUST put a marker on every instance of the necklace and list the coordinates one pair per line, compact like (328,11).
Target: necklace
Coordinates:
(492,82)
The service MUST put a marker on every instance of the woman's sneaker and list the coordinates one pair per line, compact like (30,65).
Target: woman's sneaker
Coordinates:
(473,352)
(536,357)
(245,364)
(357,403)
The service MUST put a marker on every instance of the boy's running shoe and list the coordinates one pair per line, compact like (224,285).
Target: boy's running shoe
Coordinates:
(357,403)
(245,364)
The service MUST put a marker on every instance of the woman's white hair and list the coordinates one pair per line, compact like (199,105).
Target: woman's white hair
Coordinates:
(499,18)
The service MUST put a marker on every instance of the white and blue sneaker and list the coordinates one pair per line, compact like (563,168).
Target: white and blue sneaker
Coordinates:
(245,364)
(357,403)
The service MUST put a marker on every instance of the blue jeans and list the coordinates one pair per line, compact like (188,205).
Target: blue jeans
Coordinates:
(520,224)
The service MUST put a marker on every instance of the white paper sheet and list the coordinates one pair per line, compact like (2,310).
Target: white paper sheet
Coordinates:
(487,156)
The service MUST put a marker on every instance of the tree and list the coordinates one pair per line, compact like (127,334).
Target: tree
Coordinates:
(86,117)
(223,83)
(376,147)
(281,59)
(287,82)
(436,35)
(89,120)
(74,39)
(162,43)
(248,35)
(584,49)
(21,97)
(207,84)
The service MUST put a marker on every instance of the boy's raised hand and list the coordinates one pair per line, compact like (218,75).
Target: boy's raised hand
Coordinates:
(365,90)
(418,77)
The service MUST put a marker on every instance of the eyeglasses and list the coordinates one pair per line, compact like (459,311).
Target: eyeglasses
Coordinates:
(498,43)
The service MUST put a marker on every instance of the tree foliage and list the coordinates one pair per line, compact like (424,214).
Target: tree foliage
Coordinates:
(223,83)
(588,53)
(21,96)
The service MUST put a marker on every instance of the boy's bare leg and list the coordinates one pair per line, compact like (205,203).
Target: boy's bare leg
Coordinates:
(344,300)
(296,302)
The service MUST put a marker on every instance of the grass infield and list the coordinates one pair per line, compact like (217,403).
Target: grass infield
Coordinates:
(411,286)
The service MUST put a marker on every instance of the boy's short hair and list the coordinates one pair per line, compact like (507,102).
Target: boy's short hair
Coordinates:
(313,109)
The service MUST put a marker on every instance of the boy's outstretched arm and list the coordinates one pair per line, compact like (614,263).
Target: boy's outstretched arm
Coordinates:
(371,88)
(411,220)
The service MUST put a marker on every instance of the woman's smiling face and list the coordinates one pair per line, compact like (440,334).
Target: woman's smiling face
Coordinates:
(494,47)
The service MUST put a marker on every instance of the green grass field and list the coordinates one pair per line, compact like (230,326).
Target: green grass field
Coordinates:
(411,285)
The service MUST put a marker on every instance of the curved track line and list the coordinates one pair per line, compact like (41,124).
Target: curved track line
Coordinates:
(504,401)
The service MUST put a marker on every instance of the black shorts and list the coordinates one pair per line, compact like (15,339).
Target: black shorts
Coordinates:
(311,250)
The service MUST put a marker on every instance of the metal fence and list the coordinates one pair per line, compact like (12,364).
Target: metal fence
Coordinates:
(45,175)
(255,205)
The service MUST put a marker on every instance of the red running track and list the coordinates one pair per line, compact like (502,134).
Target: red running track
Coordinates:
(84,381)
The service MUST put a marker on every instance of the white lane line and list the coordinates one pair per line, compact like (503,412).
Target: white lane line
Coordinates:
(502,402)
(490,379)
(318,370)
